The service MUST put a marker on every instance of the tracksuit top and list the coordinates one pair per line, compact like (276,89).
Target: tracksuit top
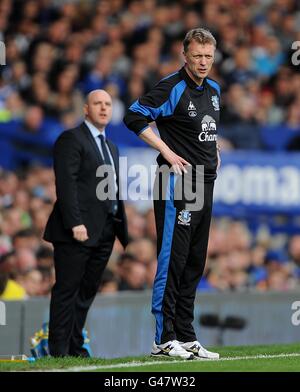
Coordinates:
(186,115)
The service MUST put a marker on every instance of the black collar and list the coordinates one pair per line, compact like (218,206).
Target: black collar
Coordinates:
(189,81)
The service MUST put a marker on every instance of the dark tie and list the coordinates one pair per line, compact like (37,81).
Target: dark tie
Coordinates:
(113,203)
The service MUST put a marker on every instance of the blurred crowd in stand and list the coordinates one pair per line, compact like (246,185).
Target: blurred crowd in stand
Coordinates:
(57,51)
(238,259)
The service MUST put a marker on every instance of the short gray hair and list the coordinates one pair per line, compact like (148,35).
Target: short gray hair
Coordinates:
(201,36)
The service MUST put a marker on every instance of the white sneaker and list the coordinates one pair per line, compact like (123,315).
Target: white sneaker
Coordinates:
(170,349)
(199,351)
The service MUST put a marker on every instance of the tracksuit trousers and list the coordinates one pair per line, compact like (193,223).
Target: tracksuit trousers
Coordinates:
(182,239)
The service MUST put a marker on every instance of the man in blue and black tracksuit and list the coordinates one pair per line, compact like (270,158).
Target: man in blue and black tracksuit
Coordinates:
(186,108)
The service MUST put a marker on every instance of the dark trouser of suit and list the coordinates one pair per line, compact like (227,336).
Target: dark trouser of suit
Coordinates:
(78,270)
(181,250)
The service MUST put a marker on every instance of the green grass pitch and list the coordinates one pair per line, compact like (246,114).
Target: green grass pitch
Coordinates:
(270,358)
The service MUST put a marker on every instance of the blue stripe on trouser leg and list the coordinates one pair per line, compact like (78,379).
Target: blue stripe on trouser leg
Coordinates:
(164,259)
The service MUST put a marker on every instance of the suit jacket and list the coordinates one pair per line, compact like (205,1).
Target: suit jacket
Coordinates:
(76,159)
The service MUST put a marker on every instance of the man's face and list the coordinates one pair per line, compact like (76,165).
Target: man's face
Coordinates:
(98,108)
(199,59)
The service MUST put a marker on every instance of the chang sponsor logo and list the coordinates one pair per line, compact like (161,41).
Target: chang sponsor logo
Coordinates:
(209,129)
(207,137)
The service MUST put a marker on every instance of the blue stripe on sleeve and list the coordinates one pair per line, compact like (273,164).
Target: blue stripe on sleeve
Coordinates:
(168,76)
(166,109)
(214,85)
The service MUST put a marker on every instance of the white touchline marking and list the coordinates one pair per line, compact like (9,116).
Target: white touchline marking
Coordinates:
(166,362)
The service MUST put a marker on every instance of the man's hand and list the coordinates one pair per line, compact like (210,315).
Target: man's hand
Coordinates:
(177,162)
(80,233)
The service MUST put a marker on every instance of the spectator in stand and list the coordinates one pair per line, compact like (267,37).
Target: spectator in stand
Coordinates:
(48,280)
(44,257)
(25,260)
(9,289)
(109,282)
(143,249)
(242,68)
(31,281)
(131,273)
(39,93)
(66,97)
(14,108)
(268,60)
(26,239)
(33,120)
(136,223)
(8,264)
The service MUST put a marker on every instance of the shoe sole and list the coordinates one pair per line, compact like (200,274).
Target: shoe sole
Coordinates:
(198,357)
(172,356)
(208,359)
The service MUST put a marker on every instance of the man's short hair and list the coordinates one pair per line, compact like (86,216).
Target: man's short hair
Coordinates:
(24,233)
(127,257)
(201,36)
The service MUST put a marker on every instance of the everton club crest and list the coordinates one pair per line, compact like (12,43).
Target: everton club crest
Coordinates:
(184,218)
(215,102)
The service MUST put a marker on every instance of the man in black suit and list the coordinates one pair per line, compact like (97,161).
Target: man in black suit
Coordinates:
(82,225)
